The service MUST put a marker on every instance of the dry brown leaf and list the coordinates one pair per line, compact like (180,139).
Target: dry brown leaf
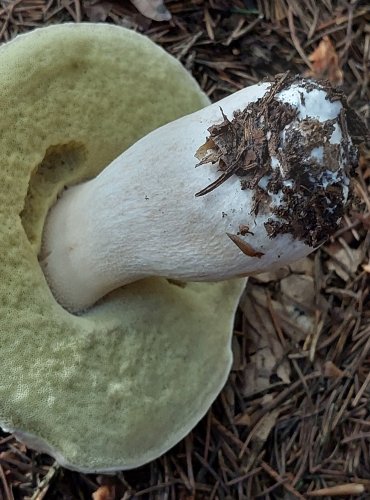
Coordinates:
(270,276)
(267,355)
(104,493)
(152,9)
(330,370)
(350,261)
(266,424)
(260,433)
(8,455)
(97,11)
(243,419)
(366,267)
(325,62)
(299,288)
(303,266)
(298,297)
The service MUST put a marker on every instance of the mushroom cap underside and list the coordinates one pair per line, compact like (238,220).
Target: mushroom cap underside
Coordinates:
(120,384)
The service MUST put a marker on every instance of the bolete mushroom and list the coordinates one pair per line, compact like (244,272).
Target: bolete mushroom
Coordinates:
(107,360)
(120,384)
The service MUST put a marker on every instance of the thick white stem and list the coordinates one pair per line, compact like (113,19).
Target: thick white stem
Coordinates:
(140,217)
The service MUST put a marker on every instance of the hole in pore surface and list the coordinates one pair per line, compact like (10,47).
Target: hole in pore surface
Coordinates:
(62,165)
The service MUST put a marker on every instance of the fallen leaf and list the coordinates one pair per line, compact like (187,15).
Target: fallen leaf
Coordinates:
(303,266)
(243,419)
(266,353)
(298,297)
(104,493)
(8,455)
(97,11)
(366,267)
(299,288)
(330,370)
(347,262)
(325,62)
(259,434)
(152,9)
(265,425)
(203,150)
(270,276)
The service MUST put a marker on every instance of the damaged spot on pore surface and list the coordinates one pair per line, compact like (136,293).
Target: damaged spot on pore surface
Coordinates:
(297,164)
(58,167)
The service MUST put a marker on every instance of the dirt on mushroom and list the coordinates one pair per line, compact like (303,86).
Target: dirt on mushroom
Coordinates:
(247,146)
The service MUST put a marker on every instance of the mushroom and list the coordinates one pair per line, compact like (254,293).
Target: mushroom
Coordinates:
(117,386)
(113,344)
(280,182)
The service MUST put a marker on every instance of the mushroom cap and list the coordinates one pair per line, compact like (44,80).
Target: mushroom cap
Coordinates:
(120,384)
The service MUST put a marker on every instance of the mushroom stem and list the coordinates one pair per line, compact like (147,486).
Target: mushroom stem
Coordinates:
(272,183)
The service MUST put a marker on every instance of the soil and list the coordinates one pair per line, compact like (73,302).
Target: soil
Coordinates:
(309,209)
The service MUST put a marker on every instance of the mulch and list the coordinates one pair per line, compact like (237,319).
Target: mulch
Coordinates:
(293,420)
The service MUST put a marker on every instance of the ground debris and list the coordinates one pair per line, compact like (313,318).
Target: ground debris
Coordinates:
(283,177)
(325,62)
(153,9)
(313,397)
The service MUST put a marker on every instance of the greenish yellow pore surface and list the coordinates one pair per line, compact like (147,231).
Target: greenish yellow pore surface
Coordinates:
(119,385)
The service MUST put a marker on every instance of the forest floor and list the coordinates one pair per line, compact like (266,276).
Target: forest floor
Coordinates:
(293,421)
